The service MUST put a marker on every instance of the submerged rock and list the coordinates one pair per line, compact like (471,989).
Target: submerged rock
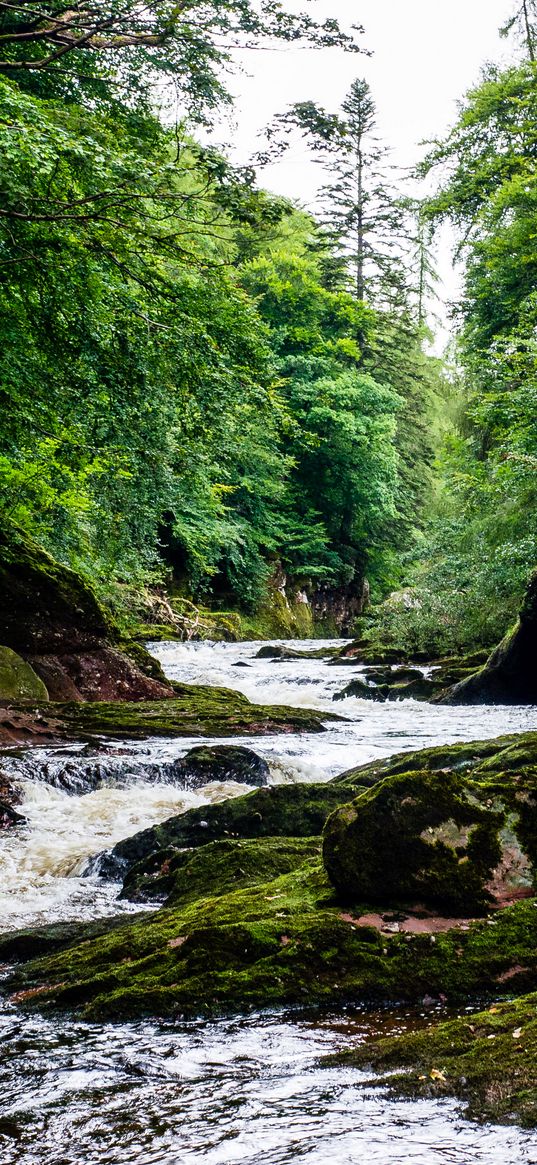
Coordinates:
(438,838)
(488,1059)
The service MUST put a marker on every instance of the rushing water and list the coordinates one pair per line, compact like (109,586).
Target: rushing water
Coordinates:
(246,1091)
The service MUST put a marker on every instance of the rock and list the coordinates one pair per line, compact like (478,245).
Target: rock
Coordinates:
(442,839)
(222,762)
(9,798)
(510,674)
(277,811)
(263,938)
(51,616)
(102,674)
(275,651)
(504,757)
(488,1059)
(362,690)
(45,607)
(194,710)
(18,680)
(218,867)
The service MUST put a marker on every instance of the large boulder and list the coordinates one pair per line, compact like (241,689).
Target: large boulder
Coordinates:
(510,674)
(437,839)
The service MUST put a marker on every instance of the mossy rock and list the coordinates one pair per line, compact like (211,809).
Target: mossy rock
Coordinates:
(196,710)
(45,607)
(362,690)
(18,680)
(442,839)
(510,754)
(216,868)
(268,943)
(488,1059)
(289,811)
(509,676)
(222,762)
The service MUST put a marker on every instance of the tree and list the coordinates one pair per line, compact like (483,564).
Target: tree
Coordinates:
(523,21)
(125,42)
(363,215)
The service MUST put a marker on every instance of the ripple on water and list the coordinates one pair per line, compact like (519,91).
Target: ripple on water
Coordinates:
(249,1091)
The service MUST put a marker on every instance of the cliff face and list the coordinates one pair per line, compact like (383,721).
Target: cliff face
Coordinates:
(51,617)
(510,675)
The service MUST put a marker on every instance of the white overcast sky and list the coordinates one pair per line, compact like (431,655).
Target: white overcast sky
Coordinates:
(426,54)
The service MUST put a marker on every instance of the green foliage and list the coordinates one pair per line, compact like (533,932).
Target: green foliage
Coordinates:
(181,391)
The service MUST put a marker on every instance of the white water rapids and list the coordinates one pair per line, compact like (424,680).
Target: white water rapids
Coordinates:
(248,1091)
(42,864)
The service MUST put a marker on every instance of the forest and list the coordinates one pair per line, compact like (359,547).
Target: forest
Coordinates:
(206,388)
(268,593)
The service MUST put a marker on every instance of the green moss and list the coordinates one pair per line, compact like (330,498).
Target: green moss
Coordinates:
(221,866)
(505,754)
(288,811)
(196,711)
(489,1059)
(273,942)
(143,660)
(18,680)
(46,606)
(416,837)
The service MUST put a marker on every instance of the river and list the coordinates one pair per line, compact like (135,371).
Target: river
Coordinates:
(249,1090)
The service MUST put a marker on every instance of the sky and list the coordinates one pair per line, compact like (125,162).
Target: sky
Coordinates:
(425,55)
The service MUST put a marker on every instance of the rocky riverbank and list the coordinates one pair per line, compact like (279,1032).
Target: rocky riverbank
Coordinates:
(252,916)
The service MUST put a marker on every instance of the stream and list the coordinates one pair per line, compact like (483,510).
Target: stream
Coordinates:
(246,1090)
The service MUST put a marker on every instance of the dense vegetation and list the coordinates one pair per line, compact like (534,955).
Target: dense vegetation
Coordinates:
(190,376)
(481,539)
(205,385)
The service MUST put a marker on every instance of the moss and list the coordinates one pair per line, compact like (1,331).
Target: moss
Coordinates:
(488,1059)
(289,811)
(504,754)
(195,711)
(45,605)
(18,680)
(462,838)
(273,942)
(143,660)
(221,866)
(278,618)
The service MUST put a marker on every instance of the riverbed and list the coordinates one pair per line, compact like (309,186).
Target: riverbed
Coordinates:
(216,1093)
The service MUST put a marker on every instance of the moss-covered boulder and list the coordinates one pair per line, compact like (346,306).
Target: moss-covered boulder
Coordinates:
(486,1058)
(221,762)
(18,681)
(52,617)
(442,839)
(270,941)
(278,811)
(510,674)
(513,755)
